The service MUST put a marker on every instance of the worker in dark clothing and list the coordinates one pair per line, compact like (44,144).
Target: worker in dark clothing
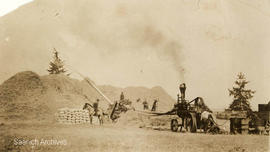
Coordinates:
(154,107)
(267,127)
(145,105)
(182,88)
(95,106)
(122,97)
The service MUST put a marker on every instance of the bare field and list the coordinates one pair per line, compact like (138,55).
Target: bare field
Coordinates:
(21,137)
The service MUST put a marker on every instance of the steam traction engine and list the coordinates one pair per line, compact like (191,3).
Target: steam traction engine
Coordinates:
(190,113)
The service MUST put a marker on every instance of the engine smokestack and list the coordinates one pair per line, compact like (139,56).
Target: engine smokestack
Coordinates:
(182,89)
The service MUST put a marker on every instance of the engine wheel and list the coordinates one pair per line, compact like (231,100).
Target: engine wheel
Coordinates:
(191,123)
(174,125)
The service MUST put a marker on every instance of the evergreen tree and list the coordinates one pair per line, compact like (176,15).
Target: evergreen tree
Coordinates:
(241,95)
(57,65)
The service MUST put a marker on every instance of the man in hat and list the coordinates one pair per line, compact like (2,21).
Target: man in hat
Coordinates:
(154,107)
(95,106)
(267,127)
(145,105)
(122,97)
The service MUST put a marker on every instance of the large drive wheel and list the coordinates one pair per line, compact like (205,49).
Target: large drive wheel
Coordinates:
(191,123)
(174,125)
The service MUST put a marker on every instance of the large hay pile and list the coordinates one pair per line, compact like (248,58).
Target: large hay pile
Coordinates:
(23,84)
(20,95)
(28,96)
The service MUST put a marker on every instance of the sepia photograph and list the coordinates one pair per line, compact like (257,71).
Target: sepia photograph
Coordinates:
(134,76)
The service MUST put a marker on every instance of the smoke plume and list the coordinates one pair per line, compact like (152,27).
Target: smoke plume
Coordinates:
(165,47)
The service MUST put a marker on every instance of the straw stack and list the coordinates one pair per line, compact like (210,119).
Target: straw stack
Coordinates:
(72,116)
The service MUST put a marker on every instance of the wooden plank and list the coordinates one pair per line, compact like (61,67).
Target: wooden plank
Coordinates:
(245,121)
(245,127)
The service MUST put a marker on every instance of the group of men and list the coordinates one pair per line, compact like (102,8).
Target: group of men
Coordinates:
(145,104)
(154,106)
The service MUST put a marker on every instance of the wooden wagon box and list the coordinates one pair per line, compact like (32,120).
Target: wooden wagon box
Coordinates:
(265,115)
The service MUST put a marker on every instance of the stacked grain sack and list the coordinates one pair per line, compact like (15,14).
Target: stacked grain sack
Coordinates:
(72,116)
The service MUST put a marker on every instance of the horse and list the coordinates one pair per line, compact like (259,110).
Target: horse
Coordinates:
(89,107)
(100,114)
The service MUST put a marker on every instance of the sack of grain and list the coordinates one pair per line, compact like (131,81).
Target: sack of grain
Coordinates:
(72,116)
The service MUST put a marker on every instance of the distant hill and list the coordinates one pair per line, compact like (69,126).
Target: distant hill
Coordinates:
(28,96)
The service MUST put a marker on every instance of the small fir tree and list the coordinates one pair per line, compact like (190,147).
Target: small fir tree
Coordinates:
(57,65)
(241,95)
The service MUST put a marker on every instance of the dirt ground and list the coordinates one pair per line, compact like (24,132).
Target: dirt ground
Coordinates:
(58,137)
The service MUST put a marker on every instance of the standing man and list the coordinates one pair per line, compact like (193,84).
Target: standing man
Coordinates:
(122,97)
(95,106)
(267,126)
(154,107)
(145,105)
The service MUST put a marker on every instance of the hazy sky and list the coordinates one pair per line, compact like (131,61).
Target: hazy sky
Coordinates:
(204,43)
